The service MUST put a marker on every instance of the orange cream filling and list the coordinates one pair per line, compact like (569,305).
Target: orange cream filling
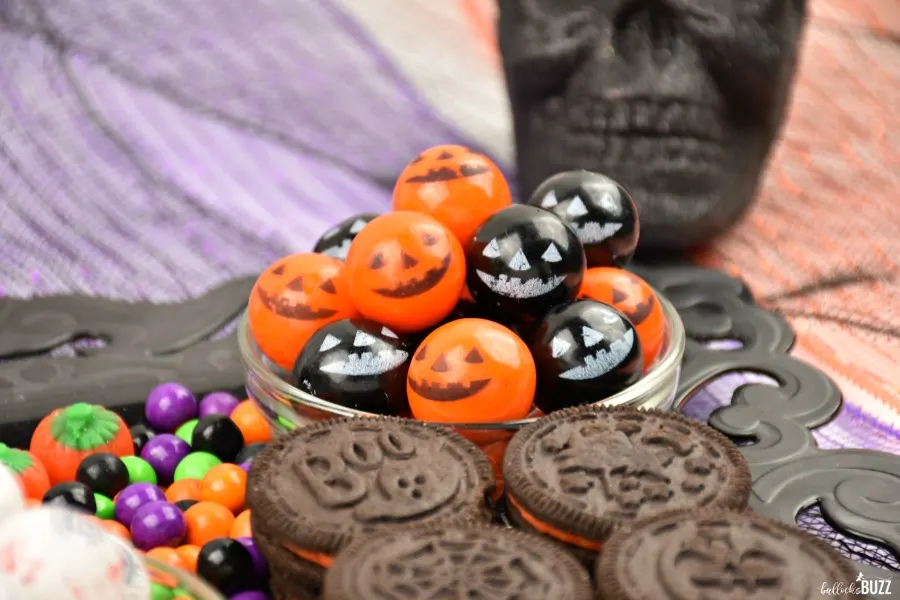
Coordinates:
(562,536)
(323,560)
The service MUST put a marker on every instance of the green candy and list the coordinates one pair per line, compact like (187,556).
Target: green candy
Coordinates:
(286,424)
(139,470)
(195,466)
(83,426)
(183,593)
(106,508)
(160,592)
(186,431)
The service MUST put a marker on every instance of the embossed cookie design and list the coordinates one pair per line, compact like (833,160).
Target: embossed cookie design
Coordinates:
(720,555)
(485,562)
(580,474)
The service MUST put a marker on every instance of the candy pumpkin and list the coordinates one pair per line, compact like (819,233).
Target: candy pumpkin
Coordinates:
(66,436)
(458,187)
(28,469)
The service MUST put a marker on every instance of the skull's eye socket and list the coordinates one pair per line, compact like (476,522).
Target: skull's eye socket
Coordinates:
(420,355)
(328,287)
(474,357)
(428,239)
(377,261)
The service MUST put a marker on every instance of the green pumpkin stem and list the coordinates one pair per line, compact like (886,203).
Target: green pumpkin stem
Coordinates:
(17,461)
(83,427)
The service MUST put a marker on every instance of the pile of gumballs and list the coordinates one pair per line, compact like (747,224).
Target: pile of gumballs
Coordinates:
(172,488)
(461,307)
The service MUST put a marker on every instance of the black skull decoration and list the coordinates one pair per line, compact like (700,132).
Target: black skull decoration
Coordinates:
(336,241)
(678,100)
(358,364)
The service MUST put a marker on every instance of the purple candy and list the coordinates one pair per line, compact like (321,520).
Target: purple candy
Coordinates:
(218,403)
(251,595)
(246,465)
(260,566)
(133,497)
(164,452)
(158,524)
(169,406)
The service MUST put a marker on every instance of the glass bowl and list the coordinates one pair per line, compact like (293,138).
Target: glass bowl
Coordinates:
(176,578)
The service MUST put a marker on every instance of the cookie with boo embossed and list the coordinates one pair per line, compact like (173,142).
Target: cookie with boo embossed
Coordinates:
(314,490)
(466,562)
(580,474)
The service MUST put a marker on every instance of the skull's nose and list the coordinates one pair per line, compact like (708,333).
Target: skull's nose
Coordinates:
(408,261)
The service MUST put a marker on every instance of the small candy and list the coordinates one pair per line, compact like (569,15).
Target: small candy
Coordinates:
(522,262)
(195,465)
(226,485)
(186,431)
(185,504)
(584,352)
(117,529)
(188,554)
(157,524)
(104,473)
(241,527)
(336,241)
(106,508)
(226,564)
(250,595)
(140,435)
(133,498)
(252,423)
(218,403)
(458,187)
(164,453)
(471,371)
(599,210)
(249,452)
(169,405)
(356,363)
(159,591)
(207,521)
(29,471)
(11,498)
(218,435)
(139,470)
(72,495)
(260,566)
(183,489)
(167,556)
(293,298)
(406,271)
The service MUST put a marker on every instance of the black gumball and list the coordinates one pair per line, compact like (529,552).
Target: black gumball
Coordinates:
(358,364)
(103,473)
(584,351)
(218,435)
(599,210)
(336,241)
(140,435)
(249,452)
(73,495)
(183,505)
(522,262)
(227,565)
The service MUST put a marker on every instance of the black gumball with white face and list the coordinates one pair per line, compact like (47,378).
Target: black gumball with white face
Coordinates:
(336,241)
(358,364)
(584,351)
(522,262)
(599,210)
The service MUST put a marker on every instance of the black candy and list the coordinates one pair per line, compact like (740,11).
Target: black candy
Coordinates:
(336,241)
(599,210)
(358,364)
(73,495)
(183,505)
(140,435)
(218,435)
(226,564)
(522,262)
(584,351)
(104,473)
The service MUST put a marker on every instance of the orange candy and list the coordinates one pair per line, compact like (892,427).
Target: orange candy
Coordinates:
(292,299)
(405,270)
(168,557)
(183,489)
(471,371)
(456,186)
(251,422)
(207,521)
(28,469)
(117,529)
(241,527)
(636,299)
(188,554)
(225,484)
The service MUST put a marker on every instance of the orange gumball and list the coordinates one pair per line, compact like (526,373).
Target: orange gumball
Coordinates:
(251,422)
(292,299)
(458,187)
(207,521)
(183,489)
(471,371)
(405,270)
(225,484)
(636,299)
(188,554)
(241,527)
(168,557)
(28,469)
(117,529)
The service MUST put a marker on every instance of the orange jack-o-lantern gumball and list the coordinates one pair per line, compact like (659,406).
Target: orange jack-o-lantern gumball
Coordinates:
(471,371)
(456,186)
(636,299)
(405,270)
(292,299)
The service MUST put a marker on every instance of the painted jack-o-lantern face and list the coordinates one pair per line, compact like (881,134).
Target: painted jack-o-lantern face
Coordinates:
(292,299)
(405,270)
(634,297)
(456,186)
(471,371)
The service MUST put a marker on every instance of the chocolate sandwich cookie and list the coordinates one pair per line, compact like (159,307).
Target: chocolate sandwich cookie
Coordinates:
(579,474)
(315,489)
(720,555)
(459,562)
